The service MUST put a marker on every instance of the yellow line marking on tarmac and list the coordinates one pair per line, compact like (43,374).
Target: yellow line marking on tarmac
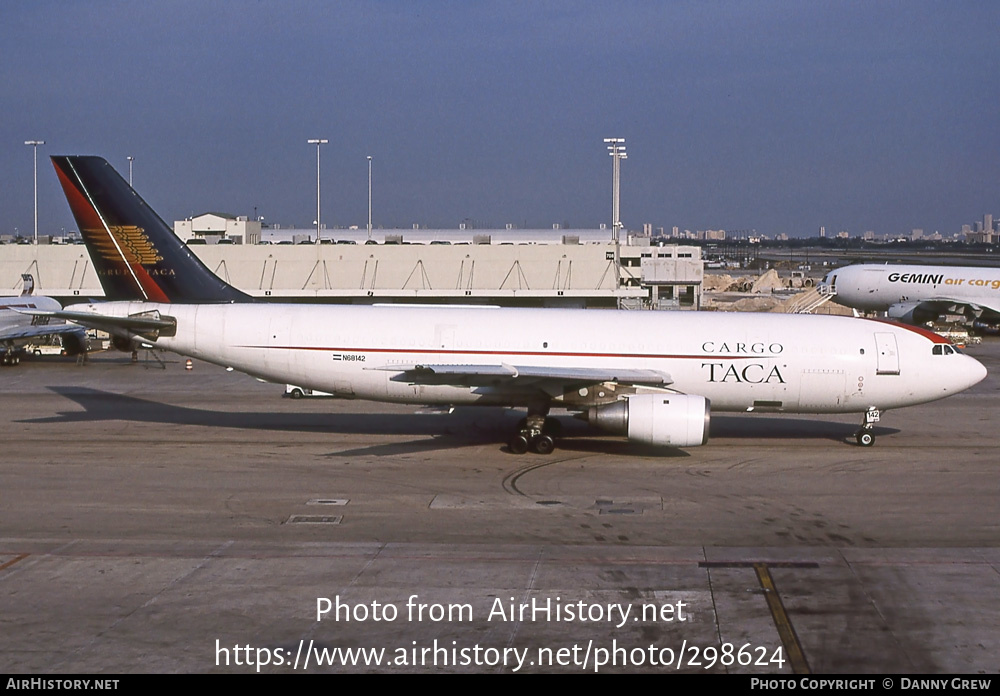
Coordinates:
(786,632)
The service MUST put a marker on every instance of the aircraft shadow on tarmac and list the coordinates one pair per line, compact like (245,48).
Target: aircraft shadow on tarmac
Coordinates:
(468,426)
(100,405)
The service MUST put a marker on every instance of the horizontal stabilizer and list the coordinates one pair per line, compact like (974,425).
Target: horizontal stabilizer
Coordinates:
(139,324)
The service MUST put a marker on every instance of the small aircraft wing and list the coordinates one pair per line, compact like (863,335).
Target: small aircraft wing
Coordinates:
(523,375)
(16,333)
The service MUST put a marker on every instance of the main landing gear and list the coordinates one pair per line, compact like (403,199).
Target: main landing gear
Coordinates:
(10,357)
(865,435)
(536,432)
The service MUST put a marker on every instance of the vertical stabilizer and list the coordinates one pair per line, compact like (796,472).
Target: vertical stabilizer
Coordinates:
(136,255)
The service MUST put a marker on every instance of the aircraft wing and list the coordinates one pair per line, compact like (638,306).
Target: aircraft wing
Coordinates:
(523,375)
(943,305)
(16,333)
(981,309)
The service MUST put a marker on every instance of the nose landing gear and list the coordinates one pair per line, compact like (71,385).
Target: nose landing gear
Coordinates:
(865,435)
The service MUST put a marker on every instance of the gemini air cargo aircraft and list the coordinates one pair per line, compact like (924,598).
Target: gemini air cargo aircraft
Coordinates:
(918,294)
(651,376)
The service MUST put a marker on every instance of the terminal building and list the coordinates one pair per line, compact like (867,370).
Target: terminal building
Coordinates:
(511,267)
(218,228)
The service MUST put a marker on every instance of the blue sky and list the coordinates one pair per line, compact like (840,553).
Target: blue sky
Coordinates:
(766,115)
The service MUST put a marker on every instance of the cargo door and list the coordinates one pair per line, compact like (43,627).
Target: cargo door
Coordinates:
(886,353)
(822,390)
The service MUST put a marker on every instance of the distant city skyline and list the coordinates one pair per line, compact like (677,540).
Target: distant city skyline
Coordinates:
(775,116)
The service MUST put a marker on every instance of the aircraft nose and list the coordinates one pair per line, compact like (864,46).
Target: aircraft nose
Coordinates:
(972,372)
(978,371)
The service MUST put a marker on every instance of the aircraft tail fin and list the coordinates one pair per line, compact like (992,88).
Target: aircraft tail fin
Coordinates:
(136,255)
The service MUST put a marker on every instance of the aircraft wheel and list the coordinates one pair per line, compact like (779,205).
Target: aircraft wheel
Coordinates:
(543,444)
(296,394)
(865,438)
(518,444)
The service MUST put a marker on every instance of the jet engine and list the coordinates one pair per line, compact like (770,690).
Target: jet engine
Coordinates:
(986,328)
(74,343)
(910,313)
(676,420)
(126,345)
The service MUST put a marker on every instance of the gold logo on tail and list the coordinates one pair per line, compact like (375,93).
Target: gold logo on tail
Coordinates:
(130,240)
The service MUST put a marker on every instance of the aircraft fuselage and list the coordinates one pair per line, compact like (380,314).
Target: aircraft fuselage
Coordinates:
(877,288)
(741,362)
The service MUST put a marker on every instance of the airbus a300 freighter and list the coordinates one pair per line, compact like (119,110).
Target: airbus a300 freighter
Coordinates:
(652,376)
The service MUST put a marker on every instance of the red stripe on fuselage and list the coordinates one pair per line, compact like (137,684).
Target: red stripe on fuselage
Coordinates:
(926,333)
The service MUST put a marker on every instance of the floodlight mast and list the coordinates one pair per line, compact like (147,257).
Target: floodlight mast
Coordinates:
(616,148)
(369,198)
(317,142)
(34,144)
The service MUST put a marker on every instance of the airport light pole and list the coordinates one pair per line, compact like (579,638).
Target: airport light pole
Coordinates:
(34,144)
(369,198)
(616,148)
(130,159)
(317,142)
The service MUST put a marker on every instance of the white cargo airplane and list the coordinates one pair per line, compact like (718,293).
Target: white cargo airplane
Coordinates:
(648,375)
(18,328)
(918,294)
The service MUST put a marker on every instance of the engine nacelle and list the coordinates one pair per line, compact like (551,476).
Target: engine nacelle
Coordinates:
(676,420)
(910,313)
(126,345)
(986,328)
(75,343)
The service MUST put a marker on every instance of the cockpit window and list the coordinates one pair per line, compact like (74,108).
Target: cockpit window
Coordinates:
(938,350)
(943,350)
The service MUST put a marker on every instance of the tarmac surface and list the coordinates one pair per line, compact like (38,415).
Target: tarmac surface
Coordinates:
(165,520)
